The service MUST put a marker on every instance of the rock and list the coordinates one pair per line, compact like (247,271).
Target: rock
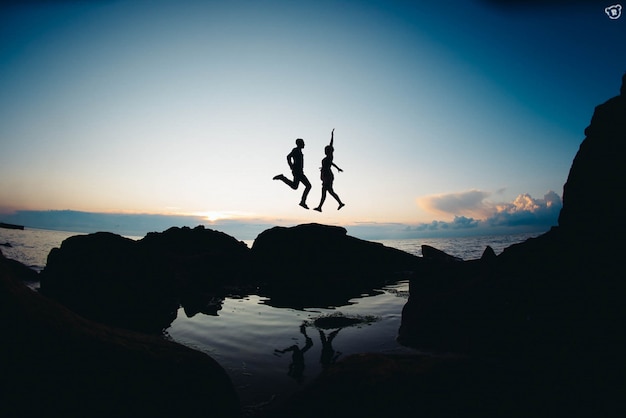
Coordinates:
(104,277)
(318,265)
(489,254)
(325,253)
(592,198)
(432,253)
(56,363)
(553,304)
(140,284)
(19,270)
(201,259)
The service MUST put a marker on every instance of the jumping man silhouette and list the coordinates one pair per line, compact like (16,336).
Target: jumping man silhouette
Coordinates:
(295,159)
(327,175)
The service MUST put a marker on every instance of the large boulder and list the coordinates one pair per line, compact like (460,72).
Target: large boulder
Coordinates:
(56,363)
(140,284)
(320,265)
(103,277)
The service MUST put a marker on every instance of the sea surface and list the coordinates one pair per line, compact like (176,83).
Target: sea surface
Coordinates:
(270,352)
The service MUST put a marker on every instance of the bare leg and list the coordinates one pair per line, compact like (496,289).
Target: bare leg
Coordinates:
(307,189)
(333,194)
(291,183)
(319,207)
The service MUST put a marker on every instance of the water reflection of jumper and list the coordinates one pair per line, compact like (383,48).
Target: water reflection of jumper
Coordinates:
(296,368)
(328,354)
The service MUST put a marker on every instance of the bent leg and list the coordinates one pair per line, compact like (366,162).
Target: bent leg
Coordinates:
(291,183)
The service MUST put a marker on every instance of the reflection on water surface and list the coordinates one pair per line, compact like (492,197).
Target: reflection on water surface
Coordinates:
(270,352)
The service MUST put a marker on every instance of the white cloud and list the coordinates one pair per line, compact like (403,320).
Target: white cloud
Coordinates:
(469,203)
(526,210)
(472,211)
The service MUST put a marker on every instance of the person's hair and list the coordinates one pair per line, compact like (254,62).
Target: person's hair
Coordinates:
(299,141)
(328,149)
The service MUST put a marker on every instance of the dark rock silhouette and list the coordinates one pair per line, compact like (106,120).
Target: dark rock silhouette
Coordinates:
(106,278)
(17,269)
(431,253)
(326,253)
(592,195)
(141,284)
(320,265)
(56,363)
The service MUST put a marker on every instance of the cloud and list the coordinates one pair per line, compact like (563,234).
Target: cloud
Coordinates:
(470,203)
(523,213)
(526,210)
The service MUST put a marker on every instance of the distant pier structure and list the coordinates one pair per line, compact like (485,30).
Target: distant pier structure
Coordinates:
(11,226)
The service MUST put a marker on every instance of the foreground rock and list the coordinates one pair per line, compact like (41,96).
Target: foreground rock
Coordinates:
(55,363)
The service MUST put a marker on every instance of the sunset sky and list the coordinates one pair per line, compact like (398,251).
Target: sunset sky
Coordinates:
(461,116)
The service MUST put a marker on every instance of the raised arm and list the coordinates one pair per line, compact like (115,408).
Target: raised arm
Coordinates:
(332,133)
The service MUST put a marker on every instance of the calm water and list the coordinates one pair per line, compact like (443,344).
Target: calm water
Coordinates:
(270,352)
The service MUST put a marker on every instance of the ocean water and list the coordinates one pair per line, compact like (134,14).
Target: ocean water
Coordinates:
(270,352)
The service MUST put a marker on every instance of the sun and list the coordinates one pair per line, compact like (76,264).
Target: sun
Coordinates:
(212,216)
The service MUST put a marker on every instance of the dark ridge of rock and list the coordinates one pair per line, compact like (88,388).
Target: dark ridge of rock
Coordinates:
(105,278)
(201,258)
(56,363)
(593,194)
(326,254)
(315,265)
(489,254)
(17,269)
(140,284)
(432,253)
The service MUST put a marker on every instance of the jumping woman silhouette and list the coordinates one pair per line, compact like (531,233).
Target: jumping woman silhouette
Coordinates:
(327,175)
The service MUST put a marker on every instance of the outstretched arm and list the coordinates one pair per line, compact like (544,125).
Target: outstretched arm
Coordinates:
(337,167)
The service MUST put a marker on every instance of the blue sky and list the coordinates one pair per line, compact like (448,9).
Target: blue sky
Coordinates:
(458,117)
